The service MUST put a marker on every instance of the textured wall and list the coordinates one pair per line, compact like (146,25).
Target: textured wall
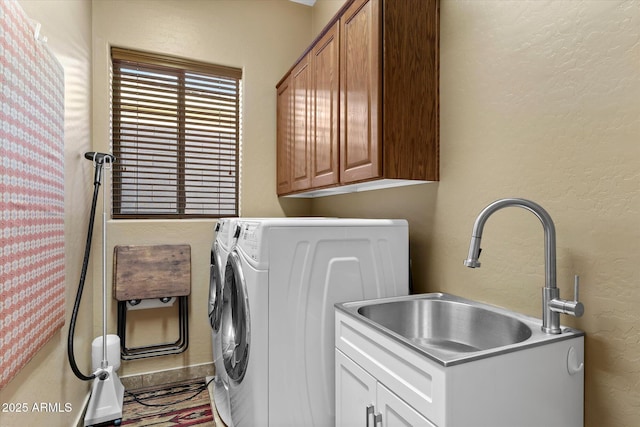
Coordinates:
(321,14)
(539,99)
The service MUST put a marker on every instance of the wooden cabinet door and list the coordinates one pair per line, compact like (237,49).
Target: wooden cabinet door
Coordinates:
(301,114)
(284,137)
(325,118)
(360,124)
(355,393)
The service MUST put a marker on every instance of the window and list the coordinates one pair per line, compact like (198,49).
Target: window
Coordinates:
(176,137)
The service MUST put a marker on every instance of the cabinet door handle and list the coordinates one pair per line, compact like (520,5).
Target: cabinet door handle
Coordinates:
(377,420)
(368,413)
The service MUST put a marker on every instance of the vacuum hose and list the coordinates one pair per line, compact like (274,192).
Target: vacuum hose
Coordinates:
(99,160)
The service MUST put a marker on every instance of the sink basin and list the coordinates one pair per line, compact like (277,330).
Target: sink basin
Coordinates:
(450,329)
(447,326)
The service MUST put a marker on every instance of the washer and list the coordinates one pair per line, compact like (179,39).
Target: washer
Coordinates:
(282,280)
(226,236)
(227,231)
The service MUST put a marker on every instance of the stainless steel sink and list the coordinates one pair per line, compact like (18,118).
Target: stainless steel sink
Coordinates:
(449,326)
(450,329)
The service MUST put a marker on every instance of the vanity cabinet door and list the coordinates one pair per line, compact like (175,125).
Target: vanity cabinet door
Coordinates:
(355,393)
(362,401)
(360,125)
(396,412)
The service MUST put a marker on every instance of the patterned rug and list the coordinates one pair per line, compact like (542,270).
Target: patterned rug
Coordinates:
(180,404)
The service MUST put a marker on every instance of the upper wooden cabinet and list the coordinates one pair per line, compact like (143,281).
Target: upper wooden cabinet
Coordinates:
(325,109)
(284,136)
(360,87)
(371,103)
(301,120)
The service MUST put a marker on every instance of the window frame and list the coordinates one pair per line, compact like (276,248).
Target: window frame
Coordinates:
(178,67)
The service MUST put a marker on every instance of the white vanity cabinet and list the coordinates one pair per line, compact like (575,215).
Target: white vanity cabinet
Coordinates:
(533,387)
(405,388)
(363,401)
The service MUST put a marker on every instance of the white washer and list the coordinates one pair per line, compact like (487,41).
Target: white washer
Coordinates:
(224,240)
(282,280)
(227,232)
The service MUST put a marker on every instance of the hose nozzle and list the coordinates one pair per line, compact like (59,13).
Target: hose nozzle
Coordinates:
(98,160)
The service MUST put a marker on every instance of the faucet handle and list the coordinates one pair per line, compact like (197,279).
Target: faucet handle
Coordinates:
(573,308)
(577,308)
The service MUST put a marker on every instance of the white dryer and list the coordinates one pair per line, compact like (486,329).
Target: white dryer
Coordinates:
(282,280)
(225,238)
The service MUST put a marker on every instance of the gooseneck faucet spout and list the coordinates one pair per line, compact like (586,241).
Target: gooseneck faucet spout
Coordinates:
(552,305)
(549,235)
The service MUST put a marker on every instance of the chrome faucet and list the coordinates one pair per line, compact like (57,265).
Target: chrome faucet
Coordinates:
(552,304)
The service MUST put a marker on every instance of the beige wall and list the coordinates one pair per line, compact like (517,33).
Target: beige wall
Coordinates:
(321,14)
(261,37)
(538,100)
(47,377)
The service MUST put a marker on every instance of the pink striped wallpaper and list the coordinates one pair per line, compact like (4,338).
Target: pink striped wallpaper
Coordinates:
(32,276)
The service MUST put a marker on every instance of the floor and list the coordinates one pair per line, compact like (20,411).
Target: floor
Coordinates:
(184,403)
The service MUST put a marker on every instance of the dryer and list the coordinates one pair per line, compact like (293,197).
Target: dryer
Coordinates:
(226,235)
(282,280)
